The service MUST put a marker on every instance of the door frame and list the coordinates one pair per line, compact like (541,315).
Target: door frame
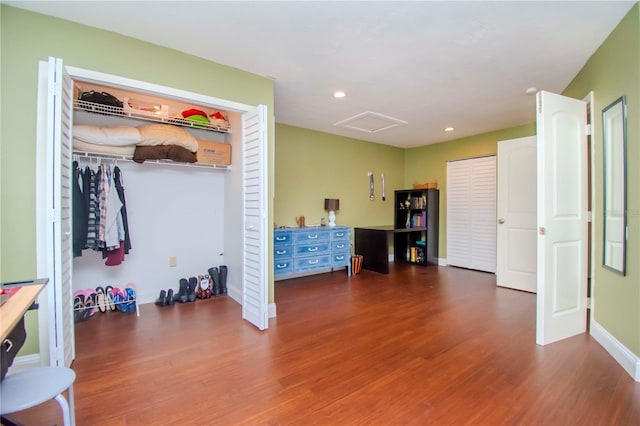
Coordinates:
(591,202)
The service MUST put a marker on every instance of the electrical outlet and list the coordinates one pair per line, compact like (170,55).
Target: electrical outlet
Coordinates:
(173,261)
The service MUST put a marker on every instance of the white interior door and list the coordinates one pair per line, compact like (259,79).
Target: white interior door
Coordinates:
(562,217)
(254,282)
(516,236)
(471,213)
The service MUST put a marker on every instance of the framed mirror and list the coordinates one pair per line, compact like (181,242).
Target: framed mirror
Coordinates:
(614,127)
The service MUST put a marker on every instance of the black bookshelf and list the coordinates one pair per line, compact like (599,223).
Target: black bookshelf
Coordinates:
(416,224)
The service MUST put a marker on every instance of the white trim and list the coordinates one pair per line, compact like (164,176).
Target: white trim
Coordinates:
(45,299)
(592,273)
(391,257)
(627,359)
(442,261)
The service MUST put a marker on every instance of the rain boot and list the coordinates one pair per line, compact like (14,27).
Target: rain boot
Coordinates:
(215,276)
(223,279)
(181,296)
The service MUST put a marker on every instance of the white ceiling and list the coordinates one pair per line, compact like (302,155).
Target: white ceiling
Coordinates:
(432,64)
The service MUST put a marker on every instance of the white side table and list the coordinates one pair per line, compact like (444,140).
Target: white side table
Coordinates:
(28,388)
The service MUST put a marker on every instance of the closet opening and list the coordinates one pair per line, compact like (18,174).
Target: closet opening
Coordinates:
(182,221)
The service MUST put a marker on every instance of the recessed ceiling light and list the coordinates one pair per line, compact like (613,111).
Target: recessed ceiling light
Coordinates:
(339,94)
(449,129)
(531,91)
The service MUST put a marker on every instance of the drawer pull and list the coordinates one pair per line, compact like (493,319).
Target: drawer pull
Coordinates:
(339,257)
(281,251)
(339,234)
(313,262)
(281,265)
(281,238)
(312,237)
(312,249)
(339,245)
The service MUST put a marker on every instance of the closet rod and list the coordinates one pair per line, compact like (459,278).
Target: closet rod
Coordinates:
(111,157)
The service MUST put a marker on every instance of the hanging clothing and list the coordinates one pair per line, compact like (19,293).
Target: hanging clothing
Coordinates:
(103,193)
(79,212)
(114,229)
(117,178)
(91,197)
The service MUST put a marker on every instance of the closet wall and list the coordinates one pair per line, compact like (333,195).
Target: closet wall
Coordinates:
(173,211)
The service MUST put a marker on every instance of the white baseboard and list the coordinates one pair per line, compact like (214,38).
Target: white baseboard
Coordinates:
(627,359)
(391,257)
(25,362)
(272,310)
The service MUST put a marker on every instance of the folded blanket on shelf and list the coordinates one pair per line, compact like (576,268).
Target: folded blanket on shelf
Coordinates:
(114,136)
(162,152)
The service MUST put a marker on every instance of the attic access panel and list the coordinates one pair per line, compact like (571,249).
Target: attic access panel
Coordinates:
(370,122)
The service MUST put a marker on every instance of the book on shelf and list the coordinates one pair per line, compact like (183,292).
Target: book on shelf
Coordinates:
(419,202)
(416,255)
(419,220)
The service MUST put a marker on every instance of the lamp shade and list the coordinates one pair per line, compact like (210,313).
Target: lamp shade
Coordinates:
(331,204)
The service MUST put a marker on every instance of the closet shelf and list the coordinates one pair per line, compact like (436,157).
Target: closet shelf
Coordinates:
(99,156)
(92,107)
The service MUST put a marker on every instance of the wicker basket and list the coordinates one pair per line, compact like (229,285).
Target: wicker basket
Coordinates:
(426,185)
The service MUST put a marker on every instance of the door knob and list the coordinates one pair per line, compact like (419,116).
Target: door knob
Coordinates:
(501,221)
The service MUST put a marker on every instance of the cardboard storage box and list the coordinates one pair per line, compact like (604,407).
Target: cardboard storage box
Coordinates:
(214,152)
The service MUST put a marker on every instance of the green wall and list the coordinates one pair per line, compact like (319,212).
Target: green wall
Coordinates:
(26,39)
(429,163)
(311,166)
(613,71)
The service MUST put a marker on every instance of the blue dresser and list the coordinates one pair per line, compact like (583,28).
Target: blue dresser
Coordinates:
(301,251)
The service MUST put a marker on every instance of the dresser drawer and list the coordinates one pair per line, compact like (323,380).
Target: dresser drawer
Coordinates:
(340,259)
(282,251)
(339,246)
(310,236)
(339,235)
(316,262)
(282,267)
(281,237)
(311,249)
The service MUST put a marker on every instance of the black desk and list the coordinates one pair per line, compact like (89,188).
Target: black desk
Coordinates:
(373,244)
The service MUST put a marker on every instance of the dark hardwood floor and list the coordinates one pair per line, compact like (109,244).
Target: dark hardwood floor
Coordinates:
(436,346)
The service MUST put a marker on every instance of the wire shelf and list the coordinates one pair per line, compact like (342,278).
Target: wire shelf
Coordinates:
(146,115)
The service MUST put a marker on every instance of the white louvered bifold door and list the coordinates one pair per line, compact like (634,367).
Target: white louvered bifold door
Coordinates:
(60,262)
(471,213)
(254,282)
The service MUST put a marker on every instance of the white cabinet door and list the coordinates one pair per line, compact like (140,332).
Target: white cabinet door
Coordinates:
(254,282)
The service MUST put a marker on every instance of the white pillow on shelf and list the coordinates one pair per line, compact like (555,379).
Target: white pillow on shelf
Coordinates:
(167,134)
(114,136)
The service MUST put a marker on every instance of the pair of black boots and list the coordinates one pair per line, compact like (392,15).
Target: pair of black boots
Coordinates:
(166,298)
(187,290)
(219,277)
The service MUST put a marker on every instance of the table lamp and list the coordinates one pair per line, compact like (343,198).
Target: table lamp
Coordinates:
(331,205)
